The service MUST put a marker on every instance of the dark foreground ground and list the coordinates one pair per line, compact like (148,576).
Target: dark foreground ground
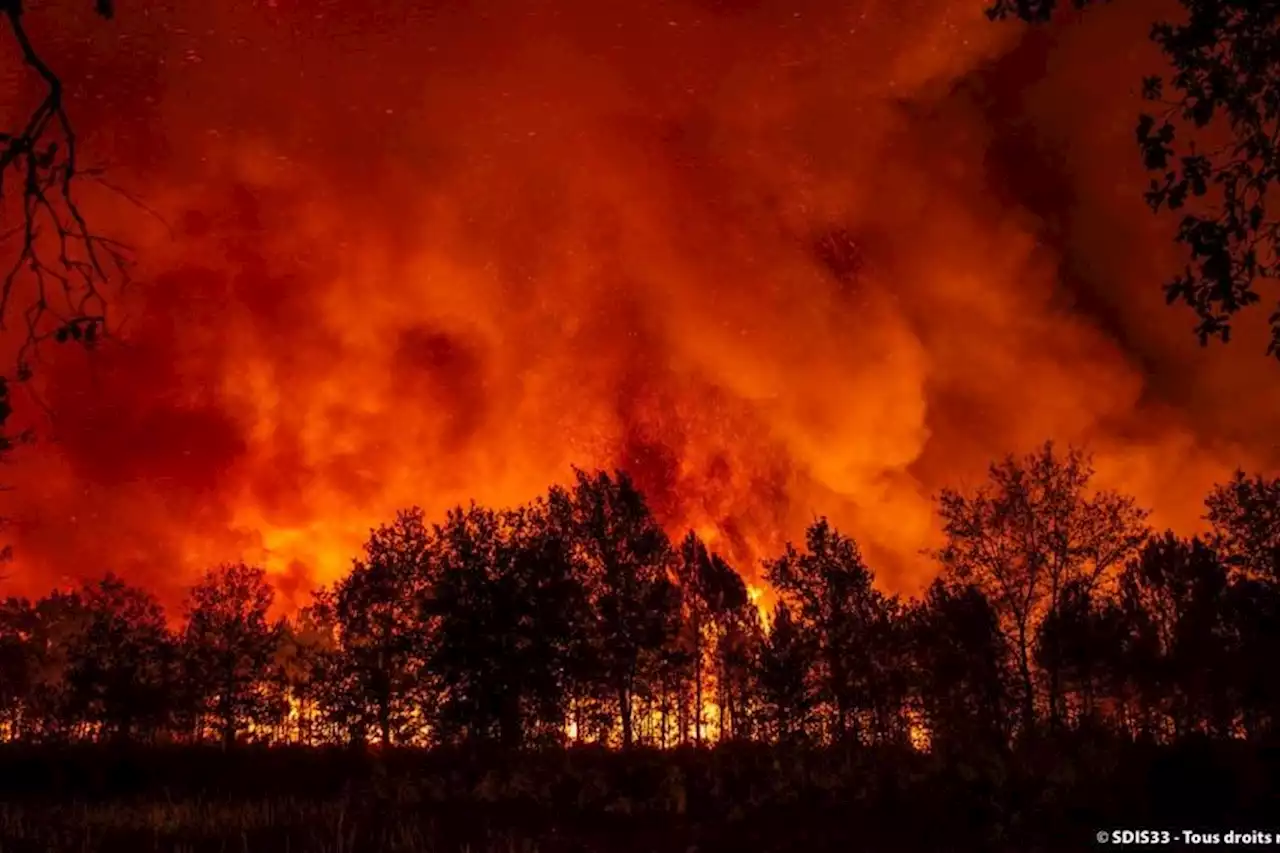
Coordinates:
(734,798)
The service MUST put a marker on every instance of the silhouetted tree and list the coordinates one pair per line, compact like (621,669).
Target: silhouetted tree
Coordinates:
(665,628)
(57,620)
(377,610)
(624,558)
(229,646)
(693,570)
(1252,614)
(787,676)
(715,599)
(1245,515)
(1224,80)
(120,667)
(17,628)
(738,640)
(510,618)
(333,675)
(1172,598)
(674,678)
(1029,535)
(308,640)
(831,592)
(887,679)
(1245,518)
(961,659)
(552,627)
(1078,640)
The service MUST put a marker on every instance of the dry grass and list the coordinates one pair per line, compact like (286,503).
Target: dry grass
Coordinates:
(267,826)
(731,798)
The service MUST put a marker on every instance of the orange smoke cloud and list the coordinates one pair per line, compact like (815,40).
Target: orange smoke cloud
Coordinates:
(775,259)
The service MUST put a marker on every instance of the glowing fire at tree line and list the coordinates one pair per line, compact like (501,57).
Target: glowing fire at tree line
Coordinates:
(575,618)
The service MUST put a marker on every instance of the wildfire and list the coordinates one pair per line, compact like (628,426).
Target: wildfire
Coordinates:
(773,265)
(918,736)
(756,595)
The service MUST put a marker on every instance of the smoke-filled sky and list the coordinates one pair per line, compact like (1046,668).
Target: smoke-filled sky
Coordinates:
(777,258)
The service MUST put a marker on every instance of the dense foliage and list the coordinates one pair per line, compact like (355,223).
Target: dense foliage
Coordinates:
(574,619)
(1212,146)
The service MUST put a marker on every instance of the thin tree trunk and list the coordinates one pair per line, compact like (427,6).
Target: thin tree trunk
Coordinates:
(1028,687)
(697,686)
(682,713)
(624,709)
(666,711)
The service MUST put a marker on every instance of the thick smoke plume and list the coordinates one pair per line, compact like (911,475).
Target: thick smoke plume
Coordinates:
(774,258)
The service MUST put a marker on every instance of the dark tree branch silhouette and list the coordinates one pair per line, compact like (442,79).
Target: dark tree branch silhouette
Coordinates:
(1213,150)
(1028,538)
(66,261)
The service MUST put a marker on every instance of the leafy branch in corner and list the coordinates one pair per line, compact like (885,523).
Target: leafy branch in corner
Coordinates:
(1225,76)
(57,251)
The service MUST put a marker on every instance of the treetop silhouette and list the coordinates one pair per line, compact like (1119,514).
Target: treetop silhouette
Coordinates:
(574,619)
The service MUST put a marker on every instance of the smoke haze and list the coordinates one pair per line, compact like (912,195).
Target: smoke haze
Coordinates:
(776,259)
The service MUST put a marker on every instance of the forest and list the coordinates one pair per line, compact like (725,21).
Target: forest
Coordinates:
(477,219)
(569,652)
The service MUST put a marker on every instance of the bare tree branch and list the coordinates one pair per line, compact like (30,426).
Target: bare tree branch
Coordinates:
(66,261)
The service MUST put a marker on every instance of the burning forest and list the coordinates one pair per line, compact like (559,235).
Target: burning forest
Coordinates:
(752,394)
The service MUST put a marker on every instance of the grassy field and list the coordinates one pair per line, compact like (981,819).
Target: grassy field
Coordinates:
(733,798)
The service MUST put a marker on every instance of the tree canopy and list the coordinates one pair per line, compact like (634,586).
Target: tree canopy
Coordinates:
(1212,144)
(574,619)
